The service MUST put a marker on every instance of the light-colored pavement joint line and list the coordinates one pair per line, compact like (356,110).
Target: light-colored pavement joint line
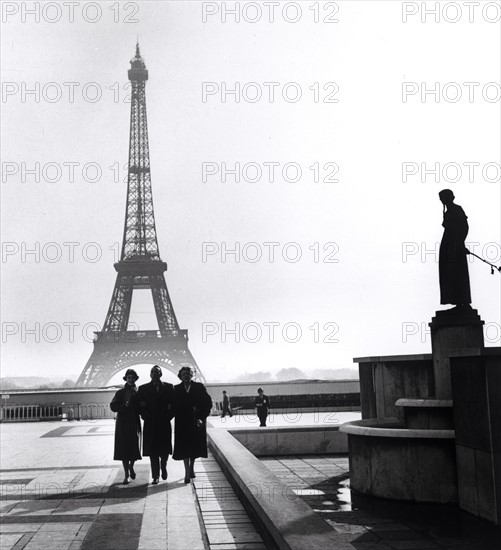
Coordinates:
(153,534)
(226,523)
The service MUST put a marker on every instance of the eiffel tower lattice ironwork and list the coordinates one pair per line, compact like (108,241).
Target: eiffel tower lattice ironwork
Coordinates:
(140,267)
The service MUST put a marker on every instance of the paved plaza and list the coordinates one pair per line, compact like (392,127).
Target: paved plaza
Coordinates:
(377,524)
(61,490)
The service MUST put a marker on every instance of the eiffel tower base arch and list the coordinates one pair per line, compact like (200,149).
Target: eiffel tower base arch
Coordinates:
(117,351)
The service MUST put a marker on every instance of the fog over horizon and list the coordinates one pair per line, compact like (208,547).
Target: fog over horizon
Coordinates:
(295,172)
(258,377)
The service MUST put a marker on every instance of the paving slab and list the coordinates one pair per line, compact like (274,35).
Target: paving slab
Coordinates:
(9,540)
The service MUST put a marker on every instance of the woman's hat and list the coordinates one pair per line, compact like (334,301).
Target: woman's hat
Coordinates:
(133,372)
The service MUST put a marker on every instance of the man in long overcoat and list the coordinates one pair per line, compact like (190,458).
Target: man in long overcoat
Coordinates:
(226,405)
(156,407)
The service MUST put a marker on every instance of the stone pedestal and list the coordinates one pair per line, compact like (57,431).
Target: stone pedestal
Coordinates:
(385,379)
(451,331)
(476,389)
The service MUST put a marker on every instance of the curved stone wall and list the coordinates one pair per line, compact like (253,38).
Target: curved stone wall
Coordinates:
(390,461)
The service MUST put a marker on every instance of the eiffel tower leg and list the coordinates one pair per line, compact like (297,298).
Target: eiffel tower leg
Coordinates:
(112,353)
(103,363)
(166,318)
(97,370)
(168,324)
(117,318)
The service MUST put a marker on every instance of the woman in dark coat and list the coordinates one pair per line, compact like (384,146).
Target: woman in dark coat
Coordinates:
(127,426)
(193,406)
(453,265)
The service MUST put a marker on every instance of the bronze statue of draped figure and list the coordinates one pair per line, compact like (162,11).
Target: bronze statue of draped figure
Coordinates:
(453,264)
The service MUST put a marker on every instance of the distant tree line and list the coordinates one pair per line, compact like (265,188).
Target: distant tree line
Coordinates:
(33,383)
(293,373)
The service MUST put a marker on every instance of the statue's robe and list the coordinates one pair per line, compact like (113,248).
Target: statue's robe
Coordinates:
(453,264)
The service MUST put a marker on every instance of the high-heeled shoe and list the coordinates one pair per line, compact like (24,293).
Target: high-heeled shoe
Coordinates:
(126,480)
(132,473)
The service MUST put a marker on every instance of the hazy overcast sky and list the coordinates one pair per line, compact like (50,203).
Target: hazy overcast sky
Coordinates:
(366,277)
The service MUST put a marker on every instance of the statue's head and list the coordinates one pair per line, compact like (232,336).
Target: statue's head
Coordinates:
(446,196)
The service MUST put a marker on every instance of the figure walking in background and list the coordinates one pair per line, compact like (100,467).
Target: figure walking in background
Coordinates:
(262,404)
(226,405)
(127,426)
(156,406)
(453,265)
(193,406)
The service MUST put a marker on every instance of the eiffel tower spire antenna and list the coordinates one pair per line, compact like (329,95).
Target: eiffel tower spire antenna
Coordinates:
(140,267)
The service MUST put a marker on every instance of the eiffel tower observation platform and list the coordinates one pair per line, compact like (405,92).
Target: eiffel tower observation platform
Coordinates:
(135,336)
(141,266)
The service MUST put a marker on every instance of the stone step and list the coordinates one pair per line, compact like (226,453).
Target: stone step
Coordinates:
(427,414)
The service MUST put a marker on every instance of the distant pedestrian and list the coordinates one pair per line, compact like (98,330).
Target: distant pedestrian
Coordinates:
(226,405)
(193,406)
(127,426)
(156,405)
(262,404)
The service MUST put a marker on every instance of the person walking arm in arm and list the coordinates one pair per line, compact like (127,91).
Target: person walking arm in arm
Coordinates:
(193,406)
(128,425)
(156,402)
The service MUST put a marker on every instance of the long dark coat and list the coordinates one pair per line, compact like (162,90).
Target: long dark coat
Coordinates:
(157,410)
(226,404)
(190,431)
(452,263)
(127,424)
(262,405)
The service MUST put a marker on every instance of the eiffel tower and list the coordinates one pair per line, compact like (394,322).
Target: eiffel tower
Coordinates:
(140,267)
